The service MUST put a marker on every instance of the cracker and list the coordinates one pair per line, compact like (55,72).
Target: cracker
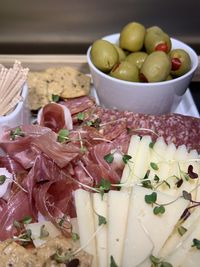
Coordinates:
(65,82)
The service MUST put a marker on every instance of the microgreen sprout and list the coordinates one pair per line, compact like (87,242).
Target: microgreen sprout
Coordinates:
(109,158)
(126,158)
(158,209)
(55,98)
(24,238)
(196,243)
(181,230)
(16,133)
(43,232)
(63,136)
(154,166)
(101,220)
(112,262)
(104,186)
(157,262)
(75,236)
(61,257)
(80,116)
(2,179)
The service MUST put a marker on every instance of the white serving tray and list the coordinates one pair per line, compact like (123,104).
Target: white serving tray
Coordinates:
(187,106)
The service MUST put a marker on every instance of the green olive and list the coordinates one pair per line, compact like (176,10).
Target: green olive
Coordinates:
(156,67)
(137,58)
(169,77)
(132,37)
(181,62)
(121,53)
(157,40)
(125,71)
(104,55)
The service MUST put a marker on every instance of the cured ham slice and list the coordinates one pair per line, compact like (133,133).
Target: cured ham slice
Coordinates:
(16,208)
(55,116)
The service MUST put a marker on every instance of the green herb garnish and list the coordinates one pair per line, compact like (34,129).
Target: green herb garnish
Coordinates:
(43,232)
(63,135)
(126,158)
(154,166)
(181,230)
(104,186)
(55,98)
(2,179)
(151,199)
(196,243)
(61,257)
(151,145)
(75,236)
(26,220)
(109,158)
(112,262)
(156,262)
(160,209)
(16,133)
(101,220)
(186,195)
(81,116)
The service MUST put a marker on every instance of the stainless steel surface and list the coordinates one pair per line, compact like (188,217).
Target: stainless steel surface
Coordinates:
(63,26)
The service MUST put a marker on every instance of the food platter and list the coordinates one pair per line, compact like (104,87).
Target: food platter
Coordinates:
(92,202)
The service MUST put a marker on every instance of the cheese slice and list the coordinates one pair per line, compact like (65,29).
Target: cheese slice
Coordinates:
(86,225)
(184,249)
(36,228)
(157,154)
(141,161)
(175,237)
(128,169)
(118,203)
(146,232)
(100,209)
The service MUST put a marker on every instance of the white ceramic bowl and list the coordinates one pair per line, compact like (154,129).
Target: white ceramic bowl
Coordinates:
(149,98)
(19,115)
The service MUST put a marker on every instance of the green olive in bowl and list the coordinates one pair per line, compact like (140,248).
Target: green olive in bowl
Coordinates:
(132,37)
(156,67)
(121,53)
(181,62)
(104,55)
(137,58)
(125,71)
(157,40)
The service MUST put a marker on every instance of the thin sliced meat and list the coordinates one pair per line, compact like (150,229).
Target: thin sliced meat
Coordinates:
(61,154)
(16,209)
(21,149)
(79,104)
(54,199)
(11,165)
(55,116)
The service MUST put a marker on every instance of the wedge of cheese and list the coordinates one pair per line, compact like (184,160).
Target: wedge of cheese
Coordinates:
(100,209)
(86,224)
(126,178)
(118,204)
(146,232)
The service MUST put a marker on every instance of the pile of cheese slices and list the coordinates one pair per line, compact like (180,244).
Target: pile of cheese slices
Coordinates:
(131,233)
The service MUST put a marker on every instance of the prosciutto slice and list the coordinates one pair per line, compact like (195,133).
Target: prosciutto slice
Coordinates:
(55,116)
(16,208)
